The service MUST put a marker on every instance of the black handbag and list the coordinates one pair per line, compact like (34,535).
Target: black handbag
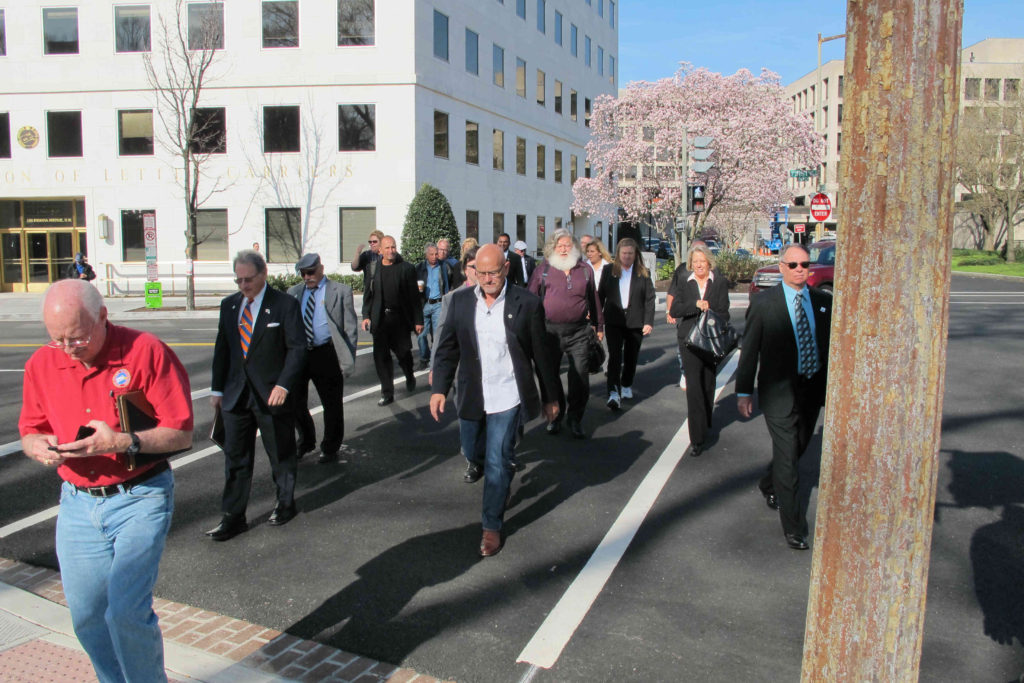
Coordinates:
(595,352)
(712,338)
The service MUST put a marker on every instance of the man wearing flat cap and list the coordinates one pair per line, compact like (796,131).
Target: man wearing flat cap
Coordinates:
(330,329)
(529,263)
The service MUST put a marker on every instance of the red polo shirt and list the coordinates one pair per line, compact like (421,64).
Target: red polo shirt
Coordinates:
(61,394)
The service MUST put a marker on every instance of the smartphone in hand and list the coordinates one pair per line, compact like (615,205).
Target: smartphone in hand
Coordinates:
(83,433)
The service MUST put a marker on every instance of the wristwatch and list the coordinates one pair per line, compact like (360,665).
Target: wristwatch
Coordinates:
(133,450)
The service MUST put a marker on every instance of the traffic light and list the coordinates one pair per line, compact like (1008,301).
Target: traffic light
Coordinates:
(694,198)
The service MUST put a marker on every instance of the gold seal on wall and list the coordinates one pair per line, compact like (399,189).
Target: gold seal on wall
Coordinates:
(28,137)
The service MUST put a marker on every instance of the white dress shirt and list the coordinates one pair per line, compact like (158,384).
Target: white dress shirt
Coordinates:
(497,374)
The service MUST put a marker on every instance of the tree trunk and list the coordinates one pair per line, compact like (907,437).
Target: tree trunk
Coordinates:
(865,616)
(190,236)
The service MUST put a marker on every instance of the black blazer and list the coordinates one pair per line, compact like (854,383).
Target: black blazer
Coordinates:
(277,351)
(686,294)
(515,269)
(639,310)
(457,349)
(769,347)
(408,297)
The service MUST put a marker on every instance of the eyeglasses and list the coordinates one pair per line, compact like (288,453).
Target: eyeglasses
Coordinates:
(487,273)
(374,241)
(245,280)
(793,264)
(72,343)
(307,271)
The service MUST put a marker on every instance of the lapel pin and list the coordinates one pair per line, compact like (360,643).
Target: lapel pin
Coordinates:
(822,309)
(509,316)
(267,310)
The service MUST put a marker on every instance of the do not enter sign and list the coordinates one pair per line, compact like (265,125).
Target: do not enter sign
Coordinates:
(821,207)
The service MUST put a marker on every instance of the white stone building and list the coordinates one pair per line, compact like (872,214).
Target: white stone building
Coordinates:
(488,100)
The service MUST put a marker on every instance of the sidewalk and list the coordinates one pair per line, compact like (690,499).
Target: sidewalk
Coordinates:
(38,645)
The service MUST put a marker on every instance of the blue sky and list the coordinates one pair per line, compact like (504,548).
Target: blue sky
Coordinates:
(727,35)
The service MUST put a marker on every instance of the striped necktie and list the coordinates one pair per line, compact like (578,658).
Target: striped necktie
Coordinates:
(307,316)
(245,328)
(804,338)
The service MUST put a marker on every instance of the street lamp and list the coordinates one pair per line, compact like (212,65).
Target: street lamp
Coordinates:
(818,94)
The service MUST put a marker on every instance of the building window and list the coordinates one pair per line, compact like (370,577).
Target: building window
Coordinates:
(540,162)
(210,135)
(521,156)
(472,143)
(354,224)
(558,165)
(357,127)
(840,86)
(212,235)
(280,23)
(839,115)
(824,116)
(991,88)
(355,22)
(133,244)
(521,226)
(558,27)
(586,50)
(498,150)
(520,77)
(131,28)
(839,143)
(572,104)
(64,133)
(972,89)
(60,31)
(135,132)
(281,129)
(1011,89)
(558,97)
(472,52)
(497,226)
(611,69)
(824,90)
(540,229)
(521,9)
(440,36)
(5,135)
(541,96)
(498,65)
(541,11)
(3,35)
(600,8)
(611,13)
(586,168)
(473,224)
(440,134)
(284,235)
(206,26)
(573,168)
(574,40)
(586,112)
(600,61)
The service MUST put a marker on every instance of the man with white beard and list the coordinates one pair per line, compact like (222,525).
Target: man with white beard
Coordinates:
(566,286)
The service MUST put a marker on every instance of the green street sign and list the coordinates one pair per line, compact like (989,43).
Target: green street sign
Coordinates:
(154,295)
(803,174)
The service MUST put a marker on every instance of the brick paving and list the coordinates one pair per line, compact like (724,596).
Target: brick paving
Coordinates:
(250,645)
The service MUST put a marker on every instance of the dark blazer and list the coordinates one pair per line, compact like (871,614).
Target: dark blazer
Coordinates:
(639,310)
(341,320)
(769,348)
(446,278)
(531,264)
(515,269)
(408,295)
(686,293)
(277,351)
(457,349)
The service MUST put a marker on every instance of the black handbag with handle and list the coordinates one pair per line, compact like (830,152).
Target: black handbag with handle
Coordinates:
(712,338)
(595,352)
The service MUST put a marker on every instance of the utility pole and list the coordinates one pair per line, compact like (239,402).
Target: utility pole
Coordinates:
(865,615)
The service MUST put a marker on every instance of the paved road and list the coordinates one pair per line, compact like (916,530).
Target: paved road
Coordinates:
(382,559)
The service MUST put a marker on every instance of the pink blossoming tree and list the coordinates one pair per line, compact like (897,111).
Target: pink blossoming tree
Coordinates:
(637,142)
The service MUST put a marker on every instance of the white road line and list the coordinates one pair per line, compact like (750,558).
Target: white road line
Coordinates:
(561,623)
(17,370)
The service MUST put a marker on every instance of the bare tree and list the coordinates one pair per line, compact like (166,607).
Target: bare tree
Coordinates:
(178,71)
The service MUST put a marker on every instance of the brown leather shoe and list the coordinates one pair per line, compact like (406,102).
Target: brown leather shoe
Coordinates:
(490,544)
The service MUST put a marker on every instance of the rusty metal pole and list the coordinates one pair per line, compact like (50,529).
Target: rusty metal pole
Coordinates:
(865,616)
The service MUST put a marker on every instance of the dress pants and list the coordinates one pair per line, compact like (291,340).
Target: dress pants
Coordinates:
(278,431)
(790,436)
(571,339)
(323,368)
(700,393)
(391,336)
(623,351)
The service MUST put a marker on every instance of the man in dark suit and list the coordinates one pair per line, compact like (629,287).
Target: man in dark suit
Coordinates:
(331,330)
(391,311)
(515,262)
(257,360)
(786,343)
(529,262)
(494,336)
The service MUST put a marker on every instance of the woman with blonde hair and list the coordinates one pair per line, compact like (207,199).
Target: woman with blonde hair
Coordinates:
(692,294)
(597,256)
(459,271)
(627,298)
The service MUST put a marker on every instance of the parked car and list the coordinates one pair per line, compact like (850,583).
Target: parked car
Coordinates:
(823,262)
(743,253)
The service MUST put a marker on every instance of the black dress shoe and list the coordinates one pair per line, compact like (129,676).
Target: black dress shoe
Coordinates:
(229,527)
(796,542)
(282,514)
(473,473)
(302,449)
(326,458)
(577,430)
(696,449)
(410,383)
(771,501)
(553,427)
(385,400)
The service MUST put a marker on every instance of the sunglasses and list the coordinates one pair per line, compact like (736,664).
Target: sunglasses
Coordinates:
(307,271)
(793,264)
(245,280)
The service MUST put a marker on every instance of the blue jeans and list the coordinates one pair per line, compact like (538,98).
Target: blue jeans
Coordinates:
(501,431)
(431,319)
(109,551)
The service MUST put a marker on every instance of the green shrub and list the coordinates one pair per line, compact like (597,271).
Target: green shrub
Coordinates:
(980,259)
(285,282)
(665,270)
(353,281)
(429,219)
(736,268)
(1018,253)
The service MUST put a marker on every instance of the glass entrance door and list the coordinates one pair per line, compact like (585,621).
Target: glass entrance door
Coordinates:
(10,256)
(31,260)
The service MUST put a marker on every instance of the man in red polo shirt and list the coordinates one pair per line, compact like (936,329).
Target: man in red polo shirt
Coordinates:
(118,493)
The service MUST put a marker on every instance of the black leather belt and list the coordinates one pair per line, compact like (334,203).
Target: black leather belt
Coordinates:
(126,485)
(390,310)
(434,301)
(310,347)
